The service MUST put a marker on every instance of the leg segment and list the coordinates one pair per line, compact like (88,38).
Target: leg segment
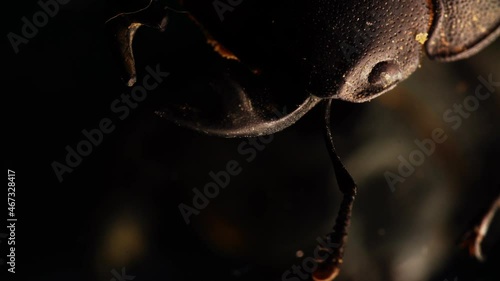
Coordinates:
(329,268)
(474,237)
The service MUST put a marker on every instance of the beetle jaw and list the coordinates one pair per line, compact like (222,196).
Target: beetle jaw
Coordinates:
(124,27)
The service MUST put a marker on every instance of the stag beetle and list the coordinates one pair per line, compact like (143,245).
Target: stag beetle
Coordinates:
(250,58)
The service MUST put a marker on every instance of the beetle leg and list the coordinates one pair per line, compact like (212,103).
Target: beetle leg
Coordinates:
(329,267)
(124,27)
(473,238)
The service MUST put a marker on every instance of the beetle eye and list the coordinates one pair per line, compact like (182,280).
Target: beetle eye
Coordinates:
(385,74)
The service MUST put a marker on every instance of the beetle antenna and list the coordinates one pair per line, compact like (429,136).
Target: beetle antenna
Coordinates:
(129,13)
(329,267)
(176,11)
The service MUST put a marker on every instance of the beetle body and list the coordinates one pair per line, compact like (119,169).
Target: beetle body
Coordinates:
(259,57)
(277,54)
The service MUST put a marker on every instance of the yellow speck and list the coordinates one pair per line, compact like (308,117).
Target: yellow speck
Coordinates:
(421,37)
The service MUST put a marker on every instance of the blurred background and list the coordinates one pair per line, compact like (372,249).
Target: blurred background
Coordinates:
(119,210)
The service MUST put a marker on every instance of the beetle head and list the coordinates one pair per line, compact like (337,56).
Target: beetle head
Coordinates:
(361,49)
(349,50)
(264,56)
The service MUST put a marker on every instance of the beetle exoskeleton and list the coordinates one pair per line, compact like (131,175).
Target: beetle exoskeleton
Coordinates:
(268,55)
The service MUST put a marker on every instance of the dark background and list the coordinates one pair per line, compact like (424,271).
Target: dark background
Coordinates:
(119,208)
